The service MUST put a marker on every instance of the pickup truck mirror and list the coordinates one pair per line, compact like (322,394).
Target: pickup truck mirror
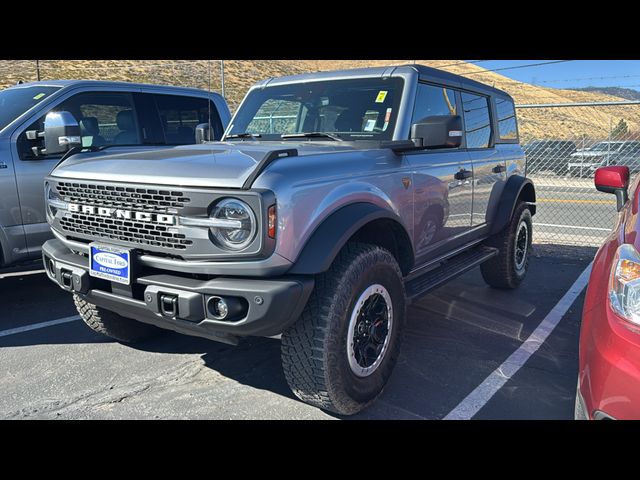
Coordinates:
(438,131)
(613,180)
(61,133)
(204,133)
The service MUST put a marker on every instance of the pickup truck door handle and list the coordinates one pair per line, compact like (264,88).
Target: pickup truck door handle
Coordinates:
(463,174)
(498,169)
(3,165)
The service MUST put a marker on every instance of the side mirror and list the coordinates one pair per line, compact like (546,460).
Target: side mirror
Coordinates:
(61,133)
(438,131)
(204,133)
(613,180)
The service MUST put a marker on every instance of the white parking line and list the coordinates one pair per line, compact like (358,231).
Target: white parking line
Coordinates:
(473,402)
(37,326)
(571,226)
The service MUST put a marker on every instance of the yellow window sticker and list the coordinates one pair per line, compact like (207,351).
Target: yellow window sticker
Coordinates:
(382,94)
(39,96)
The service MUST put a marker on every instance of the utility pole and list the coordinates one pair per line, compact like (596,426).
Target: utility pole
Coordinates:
(222,76)
(38,69)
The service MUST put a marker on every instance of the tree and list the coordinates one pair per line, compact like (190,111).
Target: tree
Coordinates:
(620,130)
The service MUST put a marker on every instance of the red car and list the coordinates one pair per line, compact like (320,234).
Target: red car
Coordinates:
(609,374)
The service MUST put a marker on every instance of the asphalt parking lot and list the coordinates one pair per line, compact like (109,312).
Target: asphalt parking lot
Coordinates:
(456,337)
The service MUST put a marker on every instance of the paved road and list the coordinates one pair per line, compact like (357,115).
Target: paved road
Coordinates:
(572,211)
(455,338)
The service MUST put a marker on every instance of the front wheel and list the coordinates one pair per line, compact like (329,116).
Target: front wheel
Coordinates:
(340,353)
(509,268)
(112,325)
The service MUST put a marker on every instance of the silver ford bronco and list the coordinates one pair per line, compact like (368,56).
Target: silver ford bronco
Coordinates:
(333,200)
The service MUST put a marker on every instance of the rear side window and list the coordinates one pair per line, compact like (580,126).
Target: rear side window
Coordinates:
(179,116)
(477,120)
(506,119)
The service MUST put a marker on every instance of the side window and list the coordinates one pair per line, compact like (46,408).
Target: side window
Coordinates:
(179,116)
(506,119)
(477,120)
(105,118)
(432,100)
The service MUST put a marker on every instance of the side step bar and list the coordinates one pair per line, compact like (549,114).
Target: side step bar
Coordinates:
(448,269)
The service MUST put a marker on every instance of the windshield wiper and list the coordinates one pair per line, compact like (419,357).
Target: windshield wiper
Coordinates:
(243,135)
(312,135)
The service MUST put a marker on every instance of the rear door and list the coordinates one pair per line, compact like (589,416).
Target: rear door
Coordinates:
(489,168)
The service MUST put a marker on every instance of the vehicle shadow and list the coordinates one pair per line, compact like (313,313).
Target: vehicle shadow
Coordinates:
(454,338)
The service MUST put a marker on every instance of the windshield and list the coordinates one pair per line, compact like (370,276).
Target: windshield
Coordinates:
(15,101)
(359,109)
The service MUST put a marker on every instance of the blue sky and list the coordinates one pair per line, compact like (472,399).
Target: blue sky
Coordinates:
(576,73)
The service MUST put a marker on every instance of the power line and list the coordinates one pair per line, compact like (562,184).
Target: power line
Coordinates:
(589,78)
(519,66)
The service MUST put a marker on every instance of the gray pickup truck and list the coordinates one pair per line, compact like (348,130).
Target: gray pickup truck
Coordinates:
(333,200)
(110,115)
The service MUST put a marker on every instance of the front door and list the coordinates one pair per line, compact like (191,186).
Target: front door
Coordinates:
(443,180)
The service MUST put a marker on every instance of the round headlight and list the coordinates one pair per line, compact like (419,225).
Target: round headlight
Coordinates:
(54,201)
(236,224)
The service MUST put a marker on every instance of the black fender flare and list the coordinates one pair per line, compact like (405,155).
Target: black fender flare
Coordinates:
(334,232)
(516,188)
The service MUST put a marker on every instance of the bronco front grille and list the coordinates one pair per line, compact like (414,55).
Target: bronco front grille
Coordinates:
(132,198)
(124,230)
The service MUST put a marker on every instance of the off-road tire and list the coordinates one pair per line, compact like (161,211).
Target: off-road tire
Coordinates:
(501,271)
(314,349)
(113,325)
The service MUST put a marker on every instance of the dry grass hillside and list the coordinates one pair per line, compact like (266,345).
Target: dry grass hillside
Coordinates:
(577,122)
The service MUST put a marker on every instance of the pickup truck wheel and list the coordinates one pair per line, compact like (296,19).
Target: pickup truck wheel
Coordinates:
(509,268)
(113,325)
(341,351)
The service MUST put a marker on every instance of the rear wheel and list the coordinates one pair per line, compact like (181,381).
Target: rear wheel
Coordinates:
(113,325)
(509,268)
(340,353)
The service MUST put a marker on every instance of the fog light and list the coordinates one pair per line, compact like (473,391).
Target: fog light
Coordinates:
(218,308)
(227,308)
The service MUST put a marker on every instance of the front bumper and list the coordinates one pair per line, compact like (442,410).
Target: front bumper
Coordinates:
(270,305)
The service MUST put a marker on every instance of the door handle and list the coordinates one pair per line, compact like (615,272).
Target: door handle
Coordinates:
(463,174)
(498,169)
(3,165)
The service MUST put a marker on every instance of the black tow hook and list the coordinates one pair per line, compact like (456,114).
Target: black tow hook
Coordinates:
(169,305)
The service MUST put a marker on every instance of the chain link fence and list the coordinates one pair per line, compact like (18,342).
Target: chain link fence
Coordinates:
(564,143)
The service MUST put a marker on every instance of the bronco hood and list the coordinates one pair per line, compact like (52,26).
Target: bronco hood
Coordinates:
(220,164)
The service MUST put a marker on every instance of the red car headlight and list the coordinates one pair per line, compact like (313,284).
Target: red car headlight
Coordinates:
(624,284)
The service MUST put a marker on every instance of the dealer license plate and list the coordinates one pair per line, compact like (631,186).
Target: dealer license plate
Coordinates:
(110,263)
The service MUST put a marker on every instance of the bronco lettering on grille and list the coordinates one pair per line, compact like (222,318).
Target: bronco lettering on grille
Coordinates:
(123,214)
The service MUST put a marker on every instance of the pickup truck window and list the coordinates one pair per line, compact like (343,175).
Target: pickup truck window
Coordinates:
(359,109)
(105,118)
(432,100)
(477,121)
(15,101)
(180,115)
